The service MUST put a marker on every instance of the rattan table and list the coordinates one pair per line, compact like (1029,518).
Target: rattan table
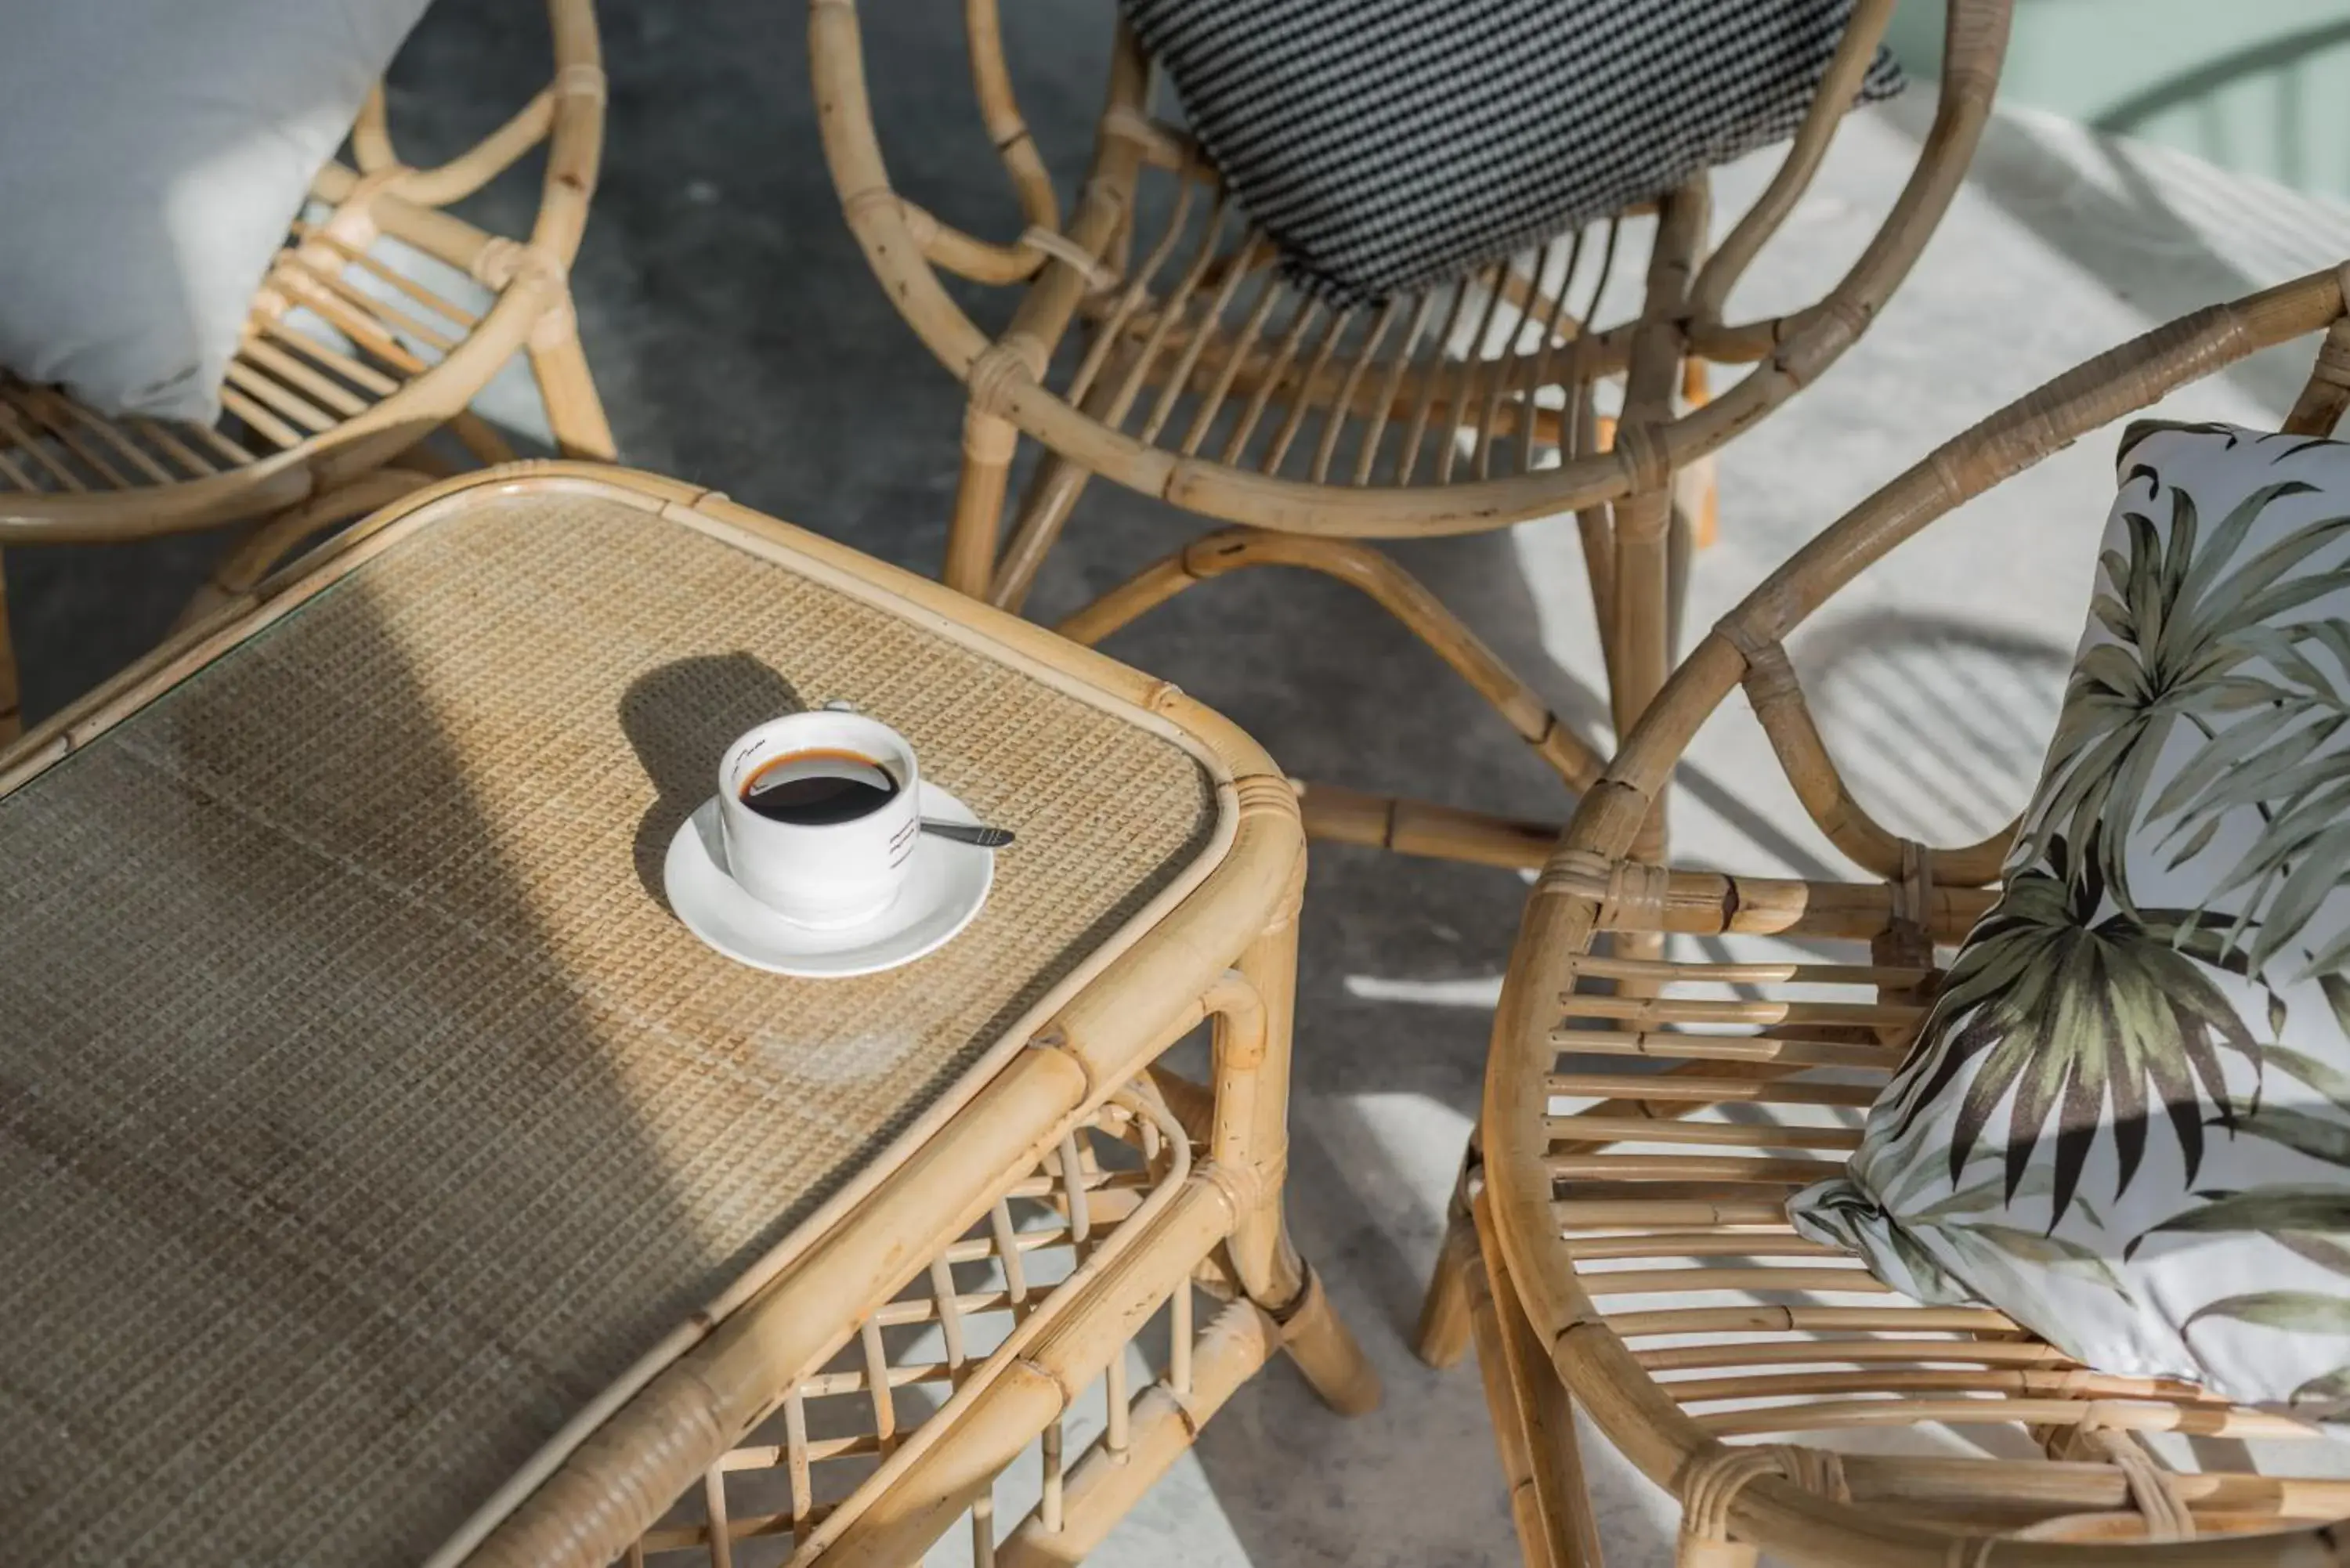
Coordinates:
(391,1180)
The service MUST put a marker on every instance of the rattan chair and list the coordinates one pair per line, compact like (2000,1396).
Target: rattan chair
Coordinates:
(1207,380)
(1598,1185)
(346,364)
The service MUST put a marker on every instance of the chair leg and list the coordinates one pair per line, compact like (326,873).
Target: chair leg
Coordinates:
(988,443)
(1375,575)
(1042,511)
(1444,1326)
(1641,601)
(1681,552)
(1644,628)
(1596,530)
(1700,487)
(1656,370)
(482,442)
(575,414)
(1534,1424)
(276,537)
(12,715)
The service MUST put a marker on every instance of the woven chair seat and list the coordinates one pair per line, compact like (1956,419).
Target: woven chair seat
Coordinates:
(1673,1190)
(1776,1357)
(368,1115)
(332,334)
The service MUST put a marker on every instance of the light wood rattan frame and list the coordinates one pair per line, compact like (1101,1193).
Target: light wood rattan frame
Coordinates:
(317,429)
(1568,1212)
(1144,1251)
(1309,408)
(1220,950)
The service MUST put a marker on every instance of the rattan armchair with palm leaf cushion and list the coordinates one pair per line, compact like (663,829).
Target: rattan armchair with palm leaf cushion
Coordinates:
(348,362)
(1146,334)
(1624,1248)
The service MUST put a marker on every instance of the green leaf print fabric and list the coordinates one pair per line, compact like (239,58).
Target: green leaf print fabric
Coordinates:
(2125,1121)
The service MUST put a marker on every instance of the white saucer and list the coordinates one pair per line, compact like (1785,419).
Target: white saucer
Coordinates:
(945,886)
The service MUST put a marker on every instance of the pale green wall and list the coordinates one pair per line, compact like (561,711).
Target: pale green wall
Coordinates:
(2262,86)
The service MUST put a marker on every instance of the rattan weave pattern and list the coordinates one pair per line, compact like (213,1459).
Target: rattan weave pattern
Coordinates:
(362,1110)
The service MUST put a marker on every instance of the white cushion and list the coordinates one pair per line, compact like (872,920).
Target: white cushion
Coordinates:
(2127,1120)
(151,154)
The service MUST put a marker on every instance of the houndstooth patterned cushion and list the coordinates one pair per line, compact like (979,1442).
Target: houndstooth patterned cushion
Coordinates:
(1384,144)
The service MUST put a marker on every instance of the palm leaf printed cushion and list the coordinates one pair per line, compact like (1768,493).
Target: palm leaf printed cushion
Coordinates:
(2125,1121)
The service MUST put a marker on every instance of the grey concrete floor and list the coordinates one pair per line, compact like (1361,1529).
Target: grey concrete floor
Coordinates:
(740,343)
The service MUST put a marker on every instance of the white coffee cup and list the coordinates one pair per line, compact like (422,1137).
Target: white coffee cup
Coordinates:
(821,874)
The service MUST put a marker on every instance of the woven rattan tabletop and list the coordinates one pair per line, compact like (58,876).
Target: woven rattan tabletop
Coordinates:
(364,1114)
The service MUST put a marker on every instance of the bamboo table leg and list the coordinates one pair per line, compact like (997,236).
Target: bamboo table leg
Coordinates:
(1231,1197)
(1251,1136)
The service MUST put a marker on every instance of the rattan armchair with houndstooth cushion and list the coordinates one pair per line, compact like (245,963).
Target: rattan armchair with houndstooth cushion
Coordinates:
(1147,334)
(1624,1248)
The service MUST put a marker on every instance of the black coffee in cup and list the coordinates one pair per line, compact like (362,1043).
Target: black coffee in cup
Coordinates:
(818,788)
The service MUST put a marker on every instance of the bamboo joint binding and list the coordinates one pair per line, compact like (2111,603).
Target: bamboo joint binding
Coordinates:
(2153,1490)
(1712,1481)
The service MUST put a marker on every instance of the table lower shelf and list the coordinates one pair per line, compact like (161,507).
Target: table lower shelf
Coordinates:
(1026,1331)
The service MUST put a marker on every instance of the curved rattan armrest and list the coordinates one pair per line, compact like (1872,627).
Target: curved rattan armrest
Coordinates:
(1745,646)
(1587,876)
(1975,42)
(575,145)
(2033,428)
(567,114)
(485,159)
(903,246)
